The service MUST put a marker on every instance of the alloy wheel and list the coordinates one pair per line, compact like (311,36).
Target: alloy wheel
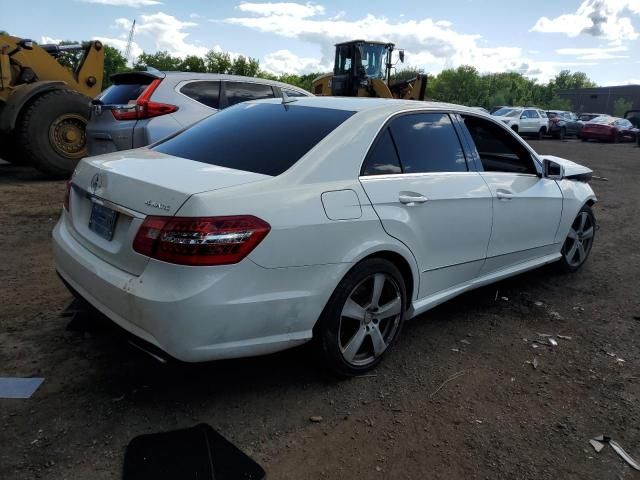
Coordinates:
(370,319)
(579,241)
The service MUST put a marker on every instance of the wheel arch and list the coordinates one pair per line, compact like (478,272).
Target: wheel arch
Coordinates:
(20,98)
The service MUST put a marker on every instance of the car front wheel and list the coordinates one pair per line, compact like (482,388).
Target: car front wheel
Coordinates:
(579,241)
(363,317)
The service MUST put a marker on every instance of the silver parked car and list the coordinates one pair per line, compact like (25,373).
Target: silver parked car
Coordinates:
(143,107)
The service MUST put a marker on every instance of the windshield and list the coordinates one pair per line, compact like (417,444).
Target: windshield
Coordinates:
(502,111)
(372,59)
(513,113)
(603,120)
(264,138)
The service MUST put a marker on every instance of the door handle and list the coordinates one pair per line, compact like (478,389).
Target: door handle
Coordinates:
(411,198)
(504,195)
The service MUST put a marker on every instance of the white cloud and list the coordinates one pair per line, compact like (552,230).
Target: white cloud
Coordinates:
(594,53)
(284,61)
(125,3)
(283,9)
(430,44)
(121,44)
(598,18)
(46,40)
(166,31)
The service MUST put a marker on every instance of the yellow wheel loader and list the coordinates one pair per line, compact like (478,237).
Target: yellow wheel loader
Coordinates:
(44,106)
(363,69)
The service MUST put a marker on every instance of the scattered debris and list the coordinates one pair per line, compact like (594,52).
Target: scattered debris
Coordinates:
(620,360)
(378,468)
(599,442)
(535,345)
(555,315)
(545,335)
(602,179)
(597,445)
(564,337)
(315,418)
(120,398)
(452,377)
(466,342)
(506,299)
(533,363)
(495,299)
(15,387)
(538,303)
(457,350)
(553,342)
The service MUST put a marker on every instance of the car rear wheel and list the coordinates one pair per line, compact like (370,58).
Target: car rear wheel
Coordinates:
(363,317)
(579,241)
(562,134)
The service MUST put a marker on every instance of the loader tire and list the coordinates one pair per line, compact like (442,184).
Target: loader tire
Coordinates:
(52,132)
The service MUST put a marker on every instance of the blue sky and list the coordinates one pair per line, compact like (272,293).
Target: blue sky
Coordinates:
(538,39)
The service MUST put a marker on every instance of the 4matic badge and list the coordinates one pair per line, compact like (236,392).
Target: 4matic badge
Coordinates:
(158,205)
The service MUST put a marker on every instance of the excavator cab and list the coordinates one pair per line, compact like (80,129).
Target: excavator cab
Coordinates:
(357,62)
(363,69)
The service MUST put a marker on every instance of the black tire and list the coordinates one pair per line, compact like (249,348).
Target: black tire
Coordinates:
(578,244)
(515,128)
(583,139)
(541,133)
(44,126)
(617,138)
(562,134)
(334,327)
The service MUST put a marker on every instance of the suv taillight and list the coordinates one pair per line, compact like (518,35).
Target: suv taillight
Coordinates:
(144,107)
(200,240)
(67,195)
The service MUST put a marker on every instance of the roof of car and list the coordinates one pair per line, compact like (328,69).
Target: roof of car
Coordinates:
(181,76)
(361,104)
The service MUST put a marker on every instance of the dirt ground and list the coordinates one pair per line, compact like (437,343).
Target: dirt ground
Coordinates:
(500,418)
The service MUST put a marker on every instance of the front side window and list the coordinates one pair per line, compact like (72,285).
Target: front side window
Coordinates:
(499,150)
(427,142)
(207,93)
(343,60)
(263,138)
(238,92)
(383,157)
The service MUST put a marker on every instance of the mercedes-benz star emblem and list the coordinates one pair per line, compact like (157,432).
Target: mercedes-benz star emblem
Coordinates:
(96,182)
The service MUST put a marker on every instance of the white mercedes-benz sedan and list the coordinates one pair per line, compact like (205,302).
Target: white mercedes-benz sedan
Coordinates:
(277,221)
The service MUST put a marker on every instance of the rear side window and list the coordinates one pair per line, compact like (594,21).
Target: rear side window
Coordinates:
(427,142)
(262,138)
(122,94)
(383,158)
(207,93)
(293,93)
(238,92)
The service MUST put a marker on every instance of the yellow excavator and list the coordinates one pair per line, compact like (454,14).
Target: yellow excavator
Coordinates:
(363,69)
(44,105)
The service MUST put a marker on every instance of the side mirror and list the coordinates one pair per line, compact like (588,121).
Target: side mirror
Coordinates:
(26,44)
(401,55)
(523,116)
(552,170)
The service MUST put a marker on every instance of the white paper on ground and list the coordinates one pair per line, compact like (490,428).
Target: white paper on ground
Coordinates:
(14,387)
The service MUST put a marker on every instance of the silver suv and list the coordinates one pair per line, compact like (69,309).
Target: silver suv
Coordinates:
(140,108)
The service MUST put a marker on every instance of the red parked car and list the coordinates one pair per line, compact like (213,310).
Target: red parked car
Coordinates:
(610,129)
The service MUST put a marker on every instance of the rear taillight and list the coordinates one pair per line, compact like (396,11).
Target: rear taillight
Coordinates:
(144,107)
(200,240)
(67,195)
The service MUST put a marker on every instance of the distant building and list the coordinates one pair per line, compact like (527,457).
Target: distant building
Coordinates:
(601,99)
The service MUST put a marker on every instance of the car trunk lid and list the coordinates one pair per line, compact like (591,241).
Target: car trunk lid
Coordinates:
(111,195)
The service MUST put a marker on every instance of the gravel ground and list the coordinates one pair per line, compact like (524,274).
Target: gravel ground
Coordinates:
(499,418)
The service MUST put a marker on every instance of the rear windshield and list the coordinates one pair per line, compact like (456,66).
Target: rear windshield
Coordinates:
(122,94)
(264,138)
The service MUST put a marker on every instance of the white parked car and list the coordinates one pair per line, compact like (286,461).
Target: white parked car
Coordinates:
(270,223)
(526,121)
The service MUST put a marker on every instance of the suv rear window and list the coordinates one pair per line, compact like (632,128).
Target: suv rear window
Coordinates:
(122,94)
(266,138)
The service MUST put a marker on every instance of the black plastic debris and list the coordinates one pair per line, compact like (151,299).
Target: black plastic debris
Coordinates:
(196,453)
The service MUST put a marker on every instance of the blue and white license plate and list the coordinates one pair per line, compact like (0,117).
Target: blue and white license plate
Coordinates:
(103,221)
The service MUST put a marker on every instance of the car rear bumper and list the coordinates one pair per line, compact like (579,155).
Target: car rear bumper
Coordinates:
(201,313)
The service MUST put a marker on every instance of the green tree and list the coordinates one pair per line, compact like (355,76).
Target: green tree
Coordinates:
(114,62)
(620,106)
(161,60)
(245,66)
(4,32)
(217,62)
(193,63)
